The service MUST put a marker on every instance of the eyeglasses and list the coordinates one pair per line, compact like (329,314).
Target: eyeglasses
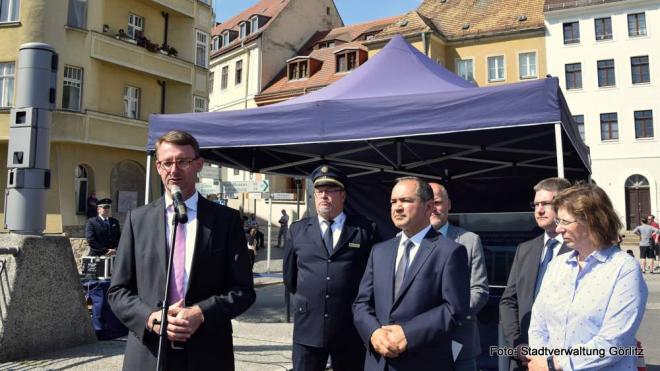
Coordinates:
(543,204)
(564,223)
(329,192)
(105,206)
(181,164)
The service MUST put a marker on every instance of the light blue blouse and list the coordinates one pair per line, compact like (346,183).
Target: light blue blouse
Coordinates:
(593,312)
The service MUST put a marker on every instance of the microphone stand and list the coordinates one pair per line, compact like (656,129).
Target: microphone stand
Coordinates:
(161,361)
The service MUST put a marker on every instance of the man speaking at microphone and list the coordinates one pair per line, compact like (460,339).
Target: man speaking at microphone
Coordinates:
(211,279)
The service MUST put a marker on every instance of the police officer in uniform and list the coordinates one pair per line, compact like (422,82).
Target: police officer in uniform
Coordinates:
(325,257)
(102,231)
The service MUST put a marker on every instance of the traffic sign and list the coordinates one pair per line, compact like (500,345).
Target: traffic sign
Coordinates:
(283,196)
(246,186)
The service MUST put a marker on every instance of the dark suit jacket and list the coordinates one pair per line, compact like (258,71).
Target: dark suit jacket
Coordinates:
(307,267)
(518,297)
(434,296)
(220,283)
(100,237)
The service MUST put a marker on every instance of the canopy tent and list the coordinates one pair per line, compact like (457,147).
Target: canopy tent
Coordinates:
(403,114)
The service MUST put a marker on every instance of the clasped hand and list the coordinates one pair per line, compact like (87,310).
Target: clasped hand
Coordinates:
(182,322)
(389,341)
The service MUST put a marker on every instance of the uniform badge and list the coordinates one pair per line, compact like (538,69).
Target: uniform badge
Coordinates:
(354,245)
(324,169)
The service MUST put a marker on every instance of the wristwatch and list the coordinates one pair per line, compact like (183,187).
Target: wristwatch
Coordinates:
(551,364)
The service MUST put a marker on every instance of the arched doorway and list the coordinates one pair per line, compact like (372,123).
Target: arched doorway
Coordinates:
(638,200)
(83,187)
(127,186)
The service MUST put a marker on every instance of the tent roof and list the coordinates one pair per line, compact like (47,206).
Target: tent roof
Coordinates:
(398,114)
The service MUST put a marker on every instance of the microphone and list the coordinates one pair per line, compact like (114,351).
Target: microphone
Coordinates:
(179,205)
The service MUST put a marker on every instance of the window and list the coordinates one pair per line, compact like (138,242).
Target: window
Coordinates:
(573,76)
(239,72)
(636,24)
(571,33)
(327,44)
(9,10)
(224,78)
(579,120)
(244,29)
(81,187)
(609,126)
(6,84)
(201,51)
(297,70)
(527,65)
(77,14)
(131,102)
(496,68)
(606,73)
(254,24)
(211,78)
(72,88)
(135,26)
(237,172)
(639,67)
(644,124)
(225,39)
(216,43)
(346,61)
(603,28)
(465,69)
(201,104)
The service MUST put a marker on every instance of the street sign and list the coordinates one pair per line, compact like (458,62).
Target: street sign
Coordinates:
(207,189)
(246,186)
(283,196)
(257,196)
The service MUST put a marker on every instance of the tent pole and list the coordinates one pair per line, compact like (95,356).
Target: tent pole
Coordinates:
(148,181)
(560,150)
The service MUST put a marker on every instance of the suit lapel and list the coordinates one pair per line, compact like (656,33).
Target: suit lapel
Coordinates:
(347,233)
(563,249)
(205,222)
(390,264)
(161,234)
(532,265)
(423,252)
(314,233)
(452,232)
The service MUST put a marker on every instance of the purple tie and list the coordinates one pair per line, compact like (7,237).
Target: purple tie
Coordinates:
(178,265)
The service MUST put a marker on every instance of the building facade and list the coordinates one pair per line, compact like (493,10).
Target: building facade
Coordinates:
(486,42)
(606,58)
(119,62)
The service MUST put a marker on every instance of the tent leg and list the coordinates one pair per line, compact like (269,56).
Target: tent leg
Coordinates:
(560,150)
(148,181)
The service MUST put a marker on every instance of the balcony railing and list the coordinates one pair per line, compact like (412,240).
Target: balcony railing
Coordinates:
(145,58)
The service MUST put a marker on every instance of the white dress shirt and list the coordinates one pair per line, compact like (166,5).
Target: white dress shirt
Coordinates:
(416,240)
(336,227)
(555,249)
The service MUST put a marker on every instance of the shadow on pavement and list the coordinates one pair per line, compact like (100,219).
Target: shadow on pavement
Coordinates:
(268,308)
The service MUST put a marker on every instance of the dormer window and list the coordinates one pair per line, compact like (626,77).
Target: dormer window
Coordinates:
(346,60)
(298,69)
(216,43)
(254,23)
(327,44)
(244,30)
(225,39)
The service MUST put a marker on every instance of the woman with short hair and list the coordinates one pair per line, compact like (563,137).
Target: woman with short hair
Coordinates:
(592,300)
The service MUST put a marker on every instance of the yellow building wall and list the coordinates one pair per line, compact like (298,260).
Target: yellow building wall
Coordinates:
(510,49)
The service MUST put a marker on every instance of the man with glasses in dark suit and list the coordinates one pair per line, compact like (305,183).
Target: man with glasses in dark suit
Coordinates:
(528,268)
(325,257)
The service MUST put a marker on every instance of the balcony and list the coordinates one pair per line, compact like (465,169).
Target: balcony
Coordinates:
(185,7)
(128,55)
(99,128)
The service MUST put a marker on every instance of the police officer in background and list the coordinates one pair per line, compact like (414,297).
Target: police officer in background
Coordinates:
(325,257)
(102,231)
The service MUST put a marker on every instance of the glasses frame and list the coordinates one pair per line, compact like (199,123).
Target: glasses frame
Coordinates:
(181,164)
(329,192)
(545,204)
(564,223)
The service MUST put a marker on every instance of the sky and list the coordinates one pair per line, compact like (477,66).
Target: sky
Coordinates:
(351,11)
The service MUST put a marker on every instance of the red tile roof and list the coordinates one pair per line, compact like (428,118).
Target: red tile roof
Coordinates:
(564,4)
(347,36)
(266,8)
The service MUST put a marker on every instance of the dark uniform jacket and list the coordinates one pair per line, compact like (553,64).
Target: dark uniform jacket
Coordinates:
(324,286)
(220,283)
(100,236)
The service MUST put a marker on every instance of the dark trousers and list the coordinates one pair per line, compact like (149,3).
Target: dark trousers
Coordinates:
(343,357)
